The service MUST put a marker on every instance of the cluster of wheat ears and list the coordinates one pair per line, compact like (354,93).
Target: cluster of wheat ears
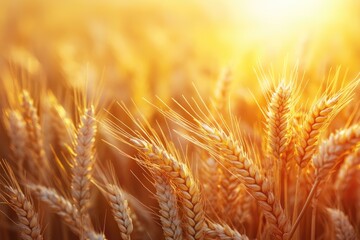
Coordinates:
(204,173)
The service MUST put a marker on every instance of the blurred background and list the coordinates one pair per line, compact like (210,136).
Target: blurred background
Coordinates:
(143,48)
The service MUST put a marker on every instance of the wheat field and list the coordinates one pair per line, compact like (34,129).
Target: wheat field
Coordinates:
(179,120)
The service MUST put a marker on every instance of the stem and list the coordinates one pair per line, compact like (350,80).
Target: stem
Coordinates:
(313,219)
(295,210)
(308,200)
(286,203)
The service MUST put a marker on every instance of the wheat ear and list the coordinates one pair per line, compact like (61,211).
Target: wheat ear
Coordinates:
(318,118)
(222,232)
(35,140)
(278,117)
(28,218)
(334,148)
(61,124)
(186,186)
(61,206)
(209,177)
(330,154)
(84,161)
(222,89)
(256,183)
(342,226)
(120,210)
(66,210)
(11,193)
(169,214)
(18,135)
(347,171)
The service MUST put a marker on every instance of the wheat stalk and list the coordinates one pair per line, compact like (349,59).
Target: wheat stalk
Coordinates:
(342,226)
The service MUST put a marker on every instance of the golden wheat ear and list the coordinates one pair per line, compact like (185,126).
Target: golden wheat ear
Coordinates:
(342,227)
(222,232)
(16,128)
(21,203)
(180,175)
(250,175)
(35,151)
(120,209)
(278,121)
(347,172)
(169,211)
(66,210)
(58,123)
(331,153)
(84,161)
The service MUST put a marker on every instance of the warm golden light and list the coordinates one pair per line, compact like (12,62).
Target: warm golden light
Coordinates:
(283,18)
(179,120)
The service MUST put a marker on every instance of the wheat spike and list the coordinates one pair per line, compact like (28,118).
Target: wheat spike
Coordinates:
(18,135)
(35,139)
(222,89)
(84,161)
(28,218)
(209,177)
(342,226)
(347,171)
(311,128)
(187,188)
(61,206)
(120,210)
(332,149)
(11,193)
(258,186)
(278,118)
(169,214)
(222,232)
(66,210)
(62,124)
